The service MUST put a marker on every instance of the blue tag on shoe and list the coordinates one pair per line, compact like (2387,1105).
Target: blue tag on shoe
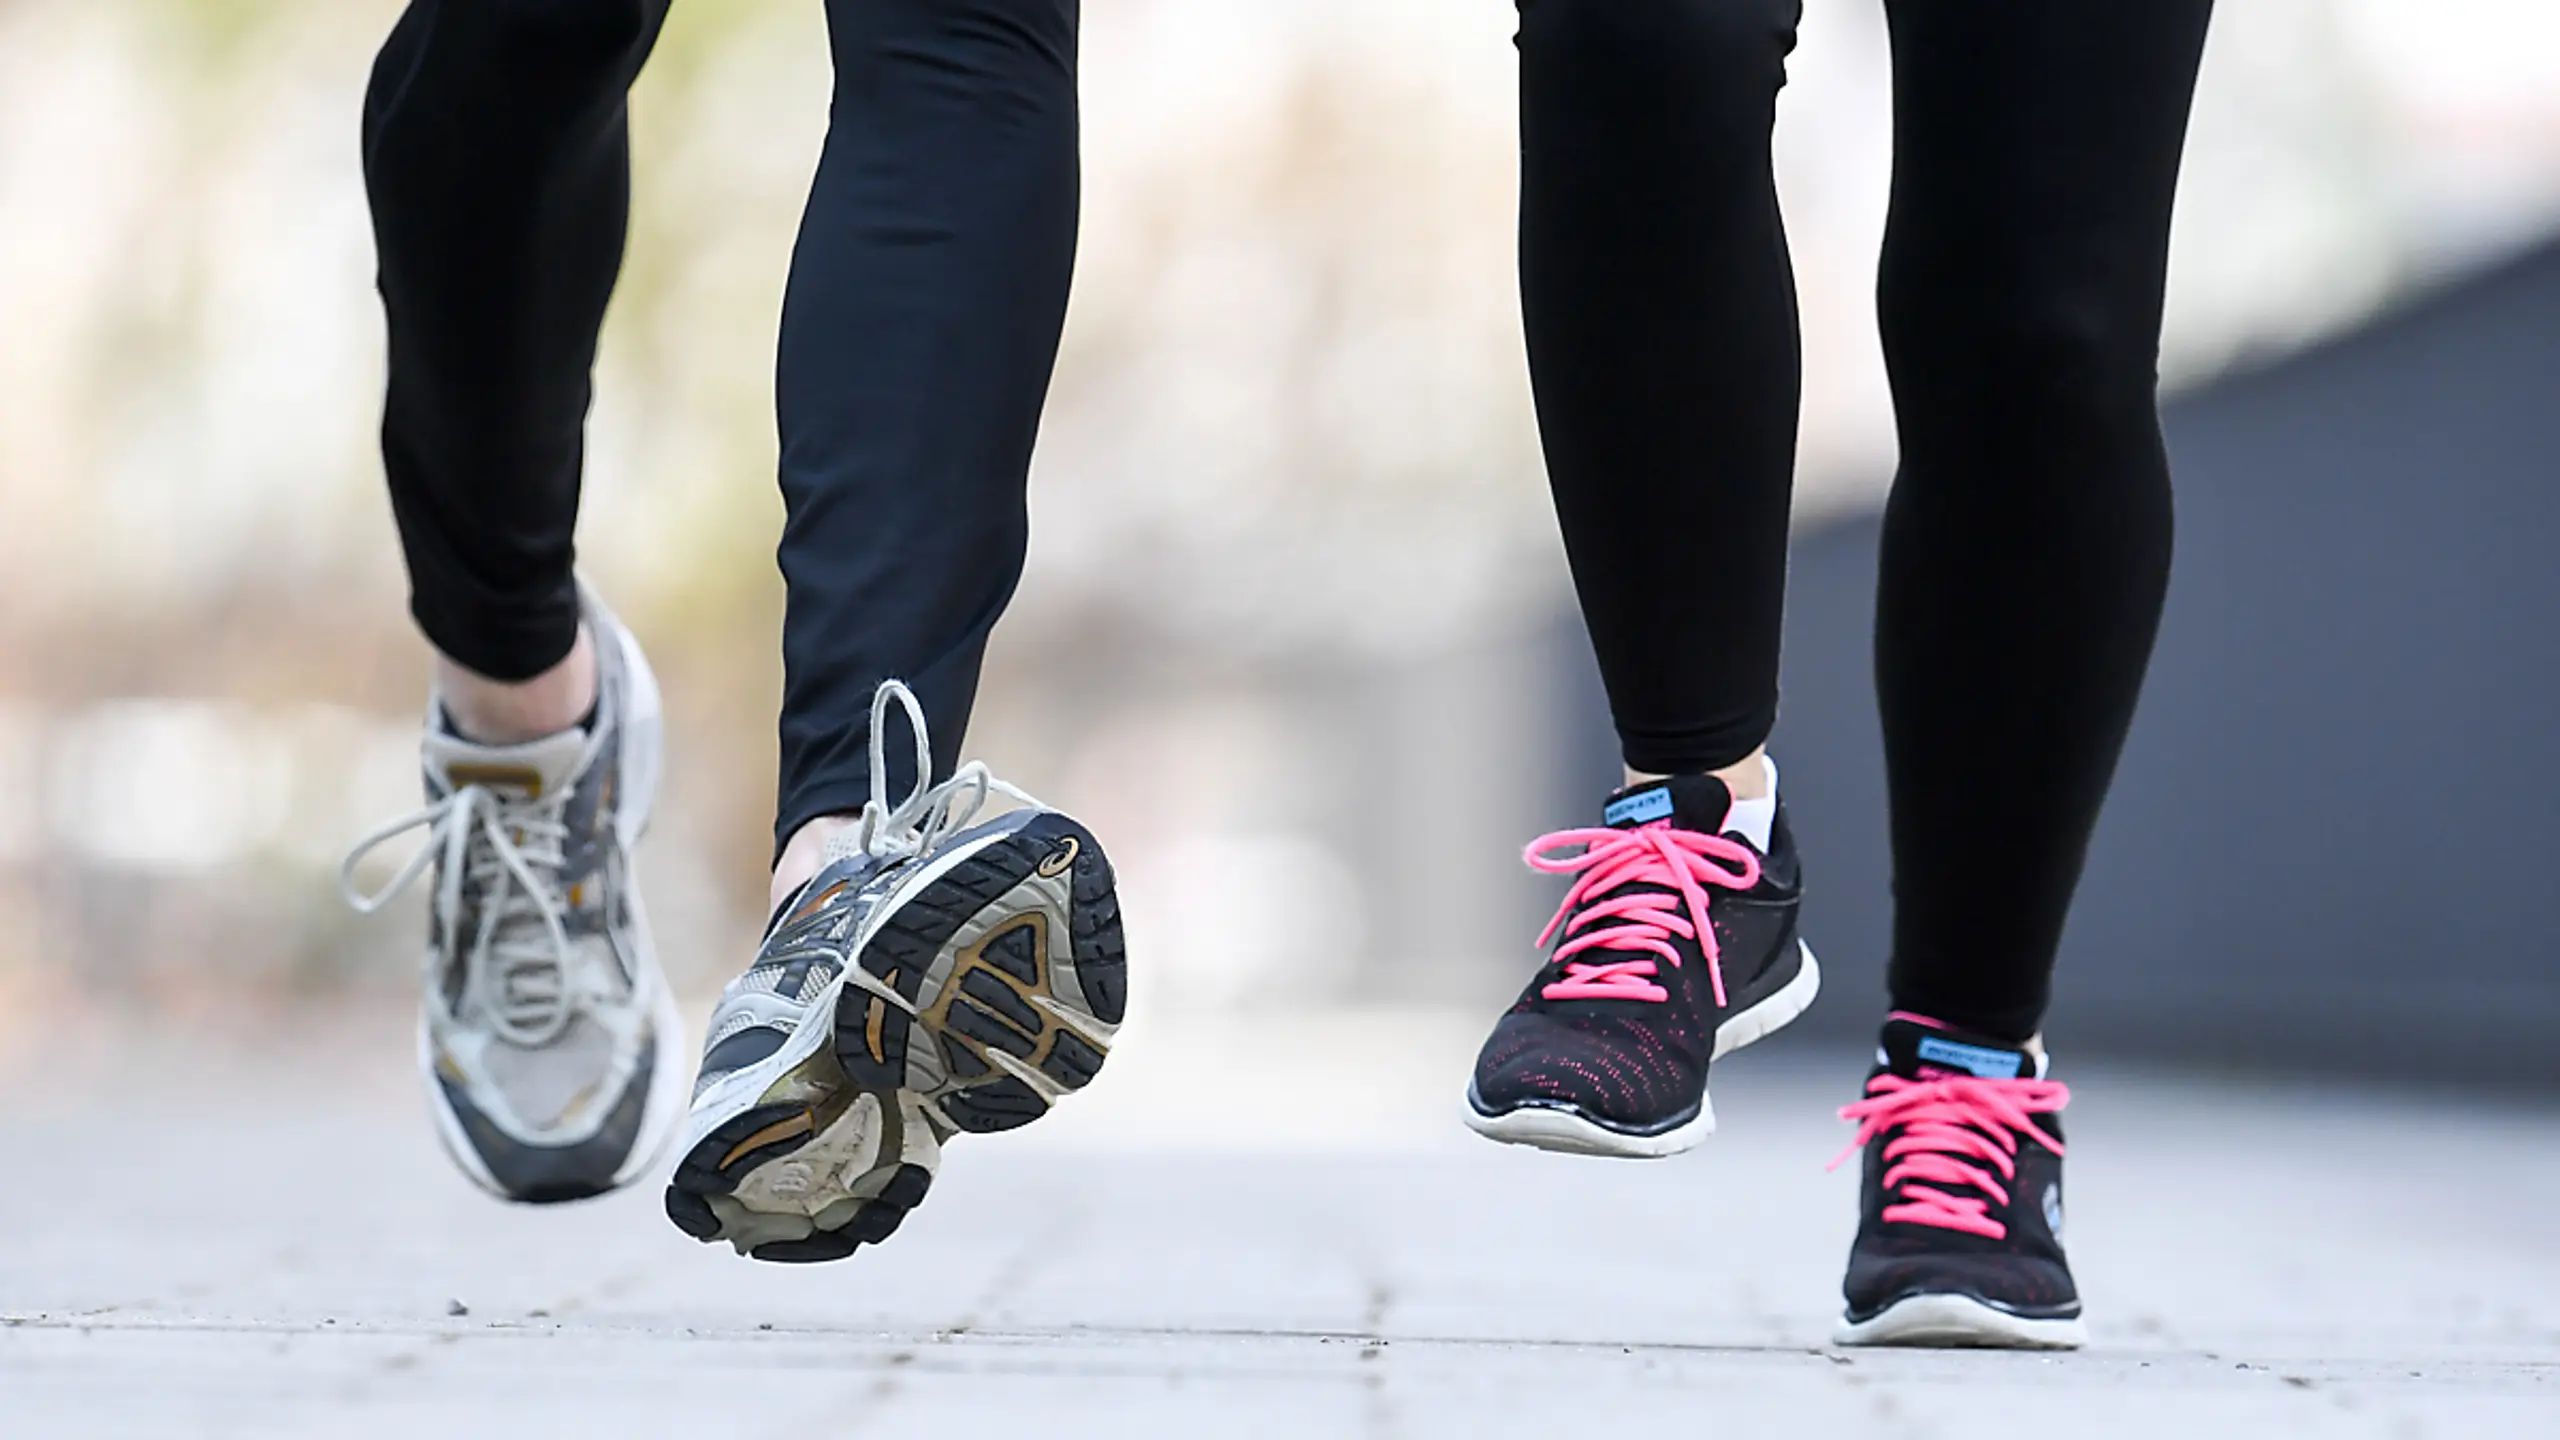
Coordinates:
(1641,808)
(1978,1060)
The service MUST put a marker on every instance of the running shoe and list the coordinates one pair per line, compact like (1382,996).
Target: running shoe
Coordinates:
(1960,1224)
(551,1048)
(934,977)
(1675,946)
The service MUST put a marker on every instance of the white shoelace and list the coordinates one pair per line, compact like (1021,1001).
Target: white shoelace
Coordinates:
(511,852)
(916,826)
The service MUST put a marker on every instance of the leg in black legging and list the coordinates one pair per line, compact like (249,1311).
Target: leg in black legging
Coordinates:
(497,160)
(1661,319)
(2027,542)
(920,327)
(918,336)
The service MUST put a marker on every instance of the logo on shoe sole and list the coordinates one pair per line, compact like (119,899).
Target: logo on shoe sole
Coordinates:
(1977,1060)
(1063,860)
(1641,808)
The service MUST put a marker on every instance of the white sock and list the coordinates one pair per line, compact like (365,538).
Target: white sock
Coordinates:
(1753,819)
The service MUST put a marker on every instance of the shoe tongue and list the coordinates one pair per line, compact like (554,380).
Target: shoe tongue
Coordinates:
(1926,1050)
(1692,802)
(518,772)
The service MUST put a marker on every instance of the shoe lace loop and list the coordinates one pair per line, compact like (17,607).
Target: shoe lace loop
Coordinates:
(930,814)
(913,828)
(1641,923)
(517,967)
(1957,1131)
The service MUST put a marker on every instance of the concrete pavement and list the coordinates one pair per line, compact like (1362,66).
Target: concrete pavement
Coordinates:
(1248,1228)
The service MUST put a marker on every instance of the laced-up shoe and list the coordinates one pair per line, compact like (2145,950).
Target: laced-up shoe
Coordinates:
(1960,1225)
(1675,945)
(551,1049)
(934,977)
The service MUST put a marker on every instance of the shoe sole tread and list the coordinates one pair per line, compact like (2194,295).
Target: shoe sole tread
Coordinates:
(1004,1046)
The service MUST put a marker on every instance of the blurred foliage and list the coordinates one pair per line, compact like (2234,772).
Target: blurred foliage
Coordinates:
(1288,507)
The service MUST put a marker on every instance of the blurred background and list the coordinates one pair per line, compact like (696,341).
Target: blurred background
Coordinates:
(1295,604)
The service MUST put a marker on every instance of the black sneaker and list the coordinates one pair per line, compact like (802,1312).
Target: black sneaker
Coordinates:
(1607,1051)
(1960,1223)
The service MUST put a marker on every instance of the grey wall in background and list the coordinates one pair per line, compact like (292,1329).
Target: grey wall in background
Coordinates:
(2335,841)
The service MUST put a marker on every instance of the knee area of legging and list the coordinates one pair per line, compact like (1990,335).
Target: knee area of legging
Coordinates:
(1719,46)
(2067,360)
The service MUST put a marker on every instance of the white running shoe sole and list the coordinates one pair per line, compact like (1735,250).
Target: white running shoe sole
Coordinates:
(1959,1322)
(1567,1133)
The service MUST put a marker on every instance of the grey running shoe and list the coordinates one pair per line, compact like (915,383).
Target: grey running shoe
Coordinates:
(551,1048)
(930,979)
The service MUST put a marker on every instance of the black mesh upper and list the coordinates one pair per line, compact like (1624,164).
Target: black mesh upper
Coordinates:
(1636,1072)
(2025,1272)
(1633,1065)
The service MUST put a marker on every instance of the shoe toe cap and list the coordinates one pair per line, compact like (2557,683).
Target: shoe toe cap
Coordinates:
(2022,1283)
(1534,1060)
(537,1173)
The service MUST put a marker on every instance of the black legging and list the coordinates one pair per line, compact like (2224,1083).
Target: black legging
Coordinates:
(2027,541)
(918,333)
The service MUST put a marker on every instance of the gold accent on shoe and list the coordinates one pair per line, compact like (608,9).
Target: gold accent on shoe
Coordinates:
(790,1128)
(819,902)
(521,778)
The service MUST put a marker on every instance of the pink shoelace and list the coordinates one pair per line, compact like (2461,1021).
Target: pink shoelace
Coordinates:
(1646,920)
(1955,1131)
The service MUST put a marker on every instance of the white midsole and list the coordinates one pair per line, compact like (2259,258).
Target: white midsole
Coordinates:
(1564,1131)
(644,721)
(1960,1321)
(1775,1013)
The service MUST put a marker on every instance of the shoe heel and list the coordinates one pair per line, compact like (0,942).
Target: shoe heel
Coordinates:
(1750,1027)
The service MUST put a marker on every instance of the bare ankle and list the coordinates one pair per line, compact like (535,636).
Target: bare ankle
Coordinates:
(805,855)
(1745,779)
(501,712)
